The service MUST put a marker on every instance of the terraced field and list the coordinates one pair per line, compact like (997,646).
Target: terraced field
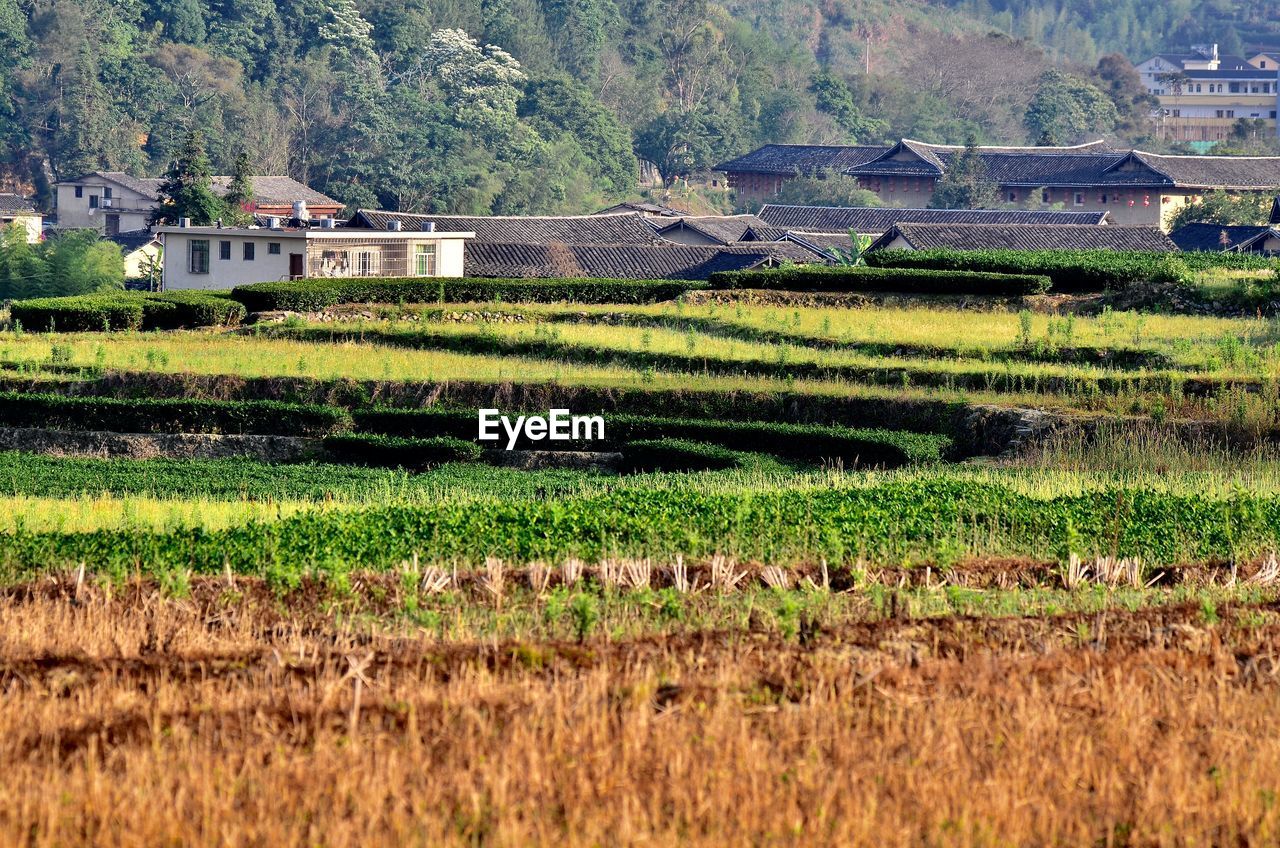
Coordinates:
(825,563)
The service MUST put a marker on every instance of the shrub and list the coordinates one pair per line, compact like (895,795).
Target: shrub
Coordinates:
(160,415)
(77,314)
(1069,270)
(1203,261)
(184,309)
(922,281)
(313,294)
(396,451)
(128,311)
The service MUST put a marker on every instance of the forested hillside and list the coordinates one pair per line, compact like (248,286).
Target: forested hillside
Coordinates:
(519,106)
(1086,29)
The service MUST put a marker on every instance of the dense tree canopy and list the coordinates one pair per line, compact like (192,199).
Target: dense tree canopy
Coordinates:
(525,106)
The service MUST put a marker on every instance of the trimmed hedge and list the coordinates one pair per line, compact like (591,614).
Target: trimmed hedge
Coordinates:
(185,309)
(862,278)
(796,441)
(312,294)
(1069,270)
(675,455)
(128,311)
(170,415)
(399,452)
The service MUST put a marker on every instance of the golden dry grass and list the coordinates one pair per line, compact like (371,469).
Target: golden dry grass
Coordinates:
(228,719)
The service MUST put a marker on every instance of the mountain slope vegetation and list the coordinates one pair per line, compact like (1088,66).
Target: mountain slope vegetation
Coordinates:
(509,106)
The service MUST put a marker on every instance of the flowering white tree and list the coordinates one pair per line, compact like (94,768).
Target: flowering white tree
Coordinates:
(481,85)
(351,36)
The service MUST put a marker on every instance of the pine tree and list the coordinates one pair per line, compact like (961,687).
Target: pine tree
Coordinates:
(187,190)
(239,191)
(965,185)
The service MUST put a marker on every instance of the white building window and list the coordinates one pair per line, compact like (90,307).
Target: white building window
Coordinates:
(424,260)
(199,256)
(365,263)
(1079,198)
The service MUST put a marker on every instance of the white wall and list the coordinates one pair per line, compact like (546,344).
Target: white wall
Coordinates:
(32,223)
(265,267)
(449,257)
(225,273)
(135,261)
(74,213)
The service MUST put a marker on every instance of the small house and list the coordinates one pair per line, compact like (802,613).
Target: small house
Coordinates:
(222,257)
(14,208)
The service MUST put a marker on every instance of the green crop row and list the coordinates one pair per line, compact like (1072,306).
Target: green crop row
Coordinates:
(919,520)
(913,280)
(677,455)
(794,441)
(978,376)
(312,294)
(398,451)
(128,311)
(161,415)
(245,479)
(1069,270)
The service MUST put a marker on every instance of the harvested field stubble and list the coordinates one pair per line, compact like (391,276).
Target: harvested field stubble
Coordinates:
(131,719)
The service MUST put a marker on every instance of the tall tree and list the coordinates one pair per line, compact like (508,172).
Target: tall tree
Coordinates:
(1065,109)
(480,85)
(966,184)
(81,262)
(187,190)
(24,271)
(1226,209)
(239,192)
(184,21)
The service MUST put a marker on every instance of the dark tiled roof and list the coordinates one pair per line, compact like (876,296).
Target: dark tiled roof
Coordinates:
(148,187)
(725,229)
(1027,237)
(637,206)
(792,250)
(877,219)
(15,204)
(824,244)
(1071,170)
(131,240)
(1242,172)
(626,261)
(266,189)
(1033,167)
(1208,238)
(1275,211)
(794,159)
(763,232)
(624,228)
(279,190)
(1086,166)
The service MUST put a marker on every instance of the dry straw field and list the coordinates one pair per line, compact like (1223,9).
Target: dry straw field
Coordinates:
(233,714)
(895,573)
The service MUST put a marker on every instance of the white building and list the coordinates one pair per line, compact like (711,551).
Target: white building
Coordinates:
(115,202)
(1203,93)
(219,258)
(15,208)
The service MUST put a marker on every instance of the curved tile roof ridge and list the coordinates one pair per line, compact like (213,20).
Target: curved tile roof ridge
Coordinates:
(1083,146)
(598,215)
